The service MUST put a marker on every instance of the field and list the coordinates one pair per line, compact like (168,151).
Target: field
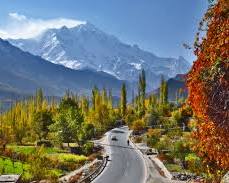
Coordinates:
(7,166)
(63,157)
(32,149)
(61,161)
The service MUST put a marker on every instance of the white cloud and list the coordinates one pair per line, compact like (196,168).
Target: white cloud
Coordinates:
(17,16)
(20,26)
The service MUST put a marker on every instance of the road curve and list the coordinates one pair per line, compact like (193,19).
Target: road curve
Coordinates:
(126,165)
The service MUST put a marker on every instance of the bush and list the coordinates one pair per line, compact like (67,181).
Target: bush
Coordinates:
(45,143)
(22,149)
(67,162)
(138,126)
(152,119)
(64,157)
(94,156)
(39,166)
(194,163)
(174,167)
(88,148)
(153,137)
(180,149)
(137,139)
(14,155)
(163,144)
(67,166)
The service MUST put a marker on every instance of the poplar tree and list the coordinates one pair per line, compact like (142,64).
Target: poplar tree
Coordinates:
(123,100)
(39,98)
(142,92)
(94,94)
(163,92)
(110,100)
(104,96)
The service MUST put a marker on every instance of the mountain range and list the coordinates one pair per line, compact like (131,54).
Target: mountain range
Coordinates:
(87,47)
(22,73)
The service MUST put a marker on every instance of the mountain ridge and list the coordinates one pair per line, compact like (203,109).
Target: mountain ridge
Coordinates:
(24,73)
(86,46)
(177,88)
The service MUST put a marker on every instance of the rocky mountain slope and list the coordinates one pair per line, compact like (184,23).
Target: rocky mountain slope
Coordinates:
(86,46)
(22,72)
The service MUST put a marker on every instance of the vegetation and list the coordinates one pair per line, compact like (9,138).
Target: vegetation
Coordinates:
(123,100)
(208,86)
(35,131)
(189,135)
(9,166)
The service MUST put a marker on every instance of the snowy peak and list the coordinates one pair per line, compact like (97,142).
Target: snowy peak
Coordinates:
(24,73)
(86,46)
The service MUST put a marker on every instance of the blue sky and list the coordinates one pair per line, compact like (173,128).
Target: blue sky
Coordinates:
(159,26)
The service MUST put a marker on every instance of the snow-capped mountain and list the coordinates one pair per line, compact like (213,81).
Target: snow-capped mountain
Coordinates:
(23,73)
(85,46)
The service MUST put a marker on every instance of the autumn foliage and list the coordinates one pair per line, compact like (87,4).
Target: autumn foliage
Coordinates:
(208,84)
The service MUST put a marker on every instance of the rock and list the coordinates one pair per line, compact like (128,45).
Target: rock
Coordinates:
(225,178)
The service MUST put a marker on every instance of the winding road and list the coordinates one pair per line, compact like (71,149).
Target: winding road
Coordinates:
(126,165)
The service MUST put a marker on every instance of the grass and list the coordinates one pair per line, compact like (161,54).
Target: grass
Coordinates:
(57,155)
(174,168)
(7,166)
(63,157)
(31,149)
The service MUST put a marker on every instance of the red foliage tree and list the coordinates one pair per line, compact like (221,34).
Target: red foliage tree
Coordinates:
(208,84)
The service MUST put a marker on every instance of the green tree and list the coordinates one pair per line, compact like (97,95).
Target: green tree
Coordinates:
(87,132)
(104,96)
(123,100)
(68,102)
(39,98)
(95,92)
(163,92)
(68,122)
(152,102)
(85,105)
(41,122)
(142,90)
(110,100)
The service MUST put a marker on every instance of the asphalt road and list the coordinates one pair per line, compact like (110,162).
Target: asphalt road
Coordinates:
(126,165)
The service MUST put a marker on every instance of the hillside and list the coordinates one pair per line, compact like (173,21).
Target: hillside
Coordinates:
(23,73)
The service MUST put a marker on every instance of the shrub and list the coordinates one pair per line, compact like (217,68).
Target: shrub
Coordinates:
(67,162)
(174,167)
(45,143)
(163,144)
(64,157)
(138,126)
(153,137)
(39,165)
(88,148)
(94,156)
(137,139)
(194,163)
